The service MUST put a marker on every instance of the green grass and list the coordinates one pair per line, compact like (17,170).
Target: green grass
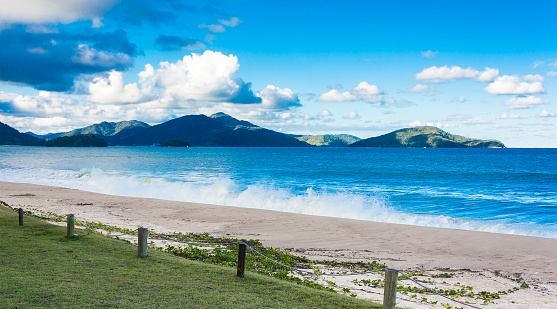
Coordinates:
(41,268)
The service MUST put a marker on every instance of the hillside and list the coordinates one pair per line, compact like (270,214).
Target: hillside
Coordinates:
(219,130)
(110,131)
(330,140)
(11,136)
(79,140)
(425,137)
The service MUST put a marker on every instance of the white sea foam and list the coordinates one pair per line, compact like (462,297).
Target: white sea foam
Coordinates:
(226,192)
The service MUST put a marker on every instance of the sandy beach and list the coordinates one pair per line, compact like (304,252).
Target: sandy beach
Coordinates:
(479,259)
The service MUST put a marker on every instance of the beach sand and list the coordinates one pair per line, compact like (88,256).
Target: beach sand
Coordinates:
(478,259)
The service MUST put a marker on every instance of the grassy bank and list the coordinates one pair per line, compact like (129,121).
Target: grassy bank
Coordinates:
(40,268)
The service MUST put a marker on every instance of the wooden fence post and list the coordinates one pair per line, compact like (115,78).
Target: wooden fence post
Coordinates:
(71,225)
(20,212)
(389,296)
(142,242)
(241,260)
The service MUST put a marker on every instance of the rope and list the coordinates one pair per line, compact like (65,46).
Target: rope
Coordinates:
(100,233)
(194,243)
(309,271)
(434,290)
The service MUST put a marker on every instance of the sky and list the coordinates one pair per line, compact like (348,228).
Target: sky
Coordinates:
(481,69)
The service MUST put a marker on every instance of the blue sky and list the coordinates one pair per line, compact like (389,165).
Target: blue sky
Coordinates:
(483,69)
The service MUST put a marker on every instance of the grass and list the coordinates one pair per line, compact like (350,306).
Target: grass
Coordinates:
(41,268)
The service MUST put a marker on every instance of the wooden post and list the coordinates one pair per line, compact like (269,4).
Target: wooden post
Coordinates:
(142,242)
(241,260)
(20,212)
(71,225)
(389,296)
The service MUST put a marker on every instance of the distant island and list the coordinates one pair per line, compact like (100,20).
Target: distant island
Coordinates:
(175,143)
(425,137)
(222,130)
(80,140)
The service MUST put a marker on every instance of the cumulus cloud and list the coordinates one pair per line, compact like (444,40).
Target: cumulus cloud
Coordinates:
(512,84)
(425,89)
(352,115)
(53,11)
(363,92)
(524,102)
(173,43)
(552,73)
(334,95)
(324,113)
(429,54)
(419,123)
(462,98)
(533,78)
(545,113)
(205,77)
(213,28)
(442,74)
(112,89)
(279,99)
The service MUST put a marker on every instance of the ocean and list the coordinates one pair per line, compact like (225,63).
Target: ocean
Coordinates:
(511,191)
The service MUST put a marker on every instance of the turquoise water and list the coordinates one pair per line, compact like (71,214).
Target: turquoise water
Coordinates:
(496,190)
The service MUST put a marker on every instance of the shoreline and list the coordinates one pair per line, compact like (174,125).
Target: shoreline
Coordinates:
(405,247)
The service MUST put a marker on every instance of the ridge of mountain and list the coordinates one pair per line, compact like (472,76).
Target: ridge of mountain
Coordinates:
(329,140)
(218,130)
(11,136)
(425,137)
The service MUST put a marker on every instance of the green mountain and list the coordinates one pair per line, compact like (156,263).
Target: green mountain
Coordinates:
(331,140)
(425,137)
(79,140)
(108,129)
(219,130)
(11,136)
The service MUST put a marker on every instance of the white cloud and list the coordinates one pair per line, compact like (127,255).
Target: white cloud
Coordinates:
(213,28)
(362,92)
(533,78)
(545,113)
(276,98)
(508,84)
(324,113)
(552,73)
(53,11)
(475,121)
(208,77)
(524,102)
(508,116)
(352,115)
(90,56)
(232,22)
(112,89)
(537,63)
(441,74)
(419,123)
(425,89)
(334,95)
(462,98)
(430,54)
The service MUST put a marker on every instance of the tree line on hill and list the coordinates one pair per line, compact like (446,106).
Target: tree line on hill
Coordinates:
(222,130)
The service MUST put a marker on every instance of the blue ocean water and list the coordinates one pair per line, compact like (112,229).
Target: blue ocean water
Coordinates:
(496,190)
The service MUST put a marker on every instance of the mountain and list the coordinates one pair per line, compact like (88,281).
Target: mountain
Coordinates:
(425,137)
(45,136)
(218,130)
(110,130)
(78,140)
(331,140)
(11,136)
